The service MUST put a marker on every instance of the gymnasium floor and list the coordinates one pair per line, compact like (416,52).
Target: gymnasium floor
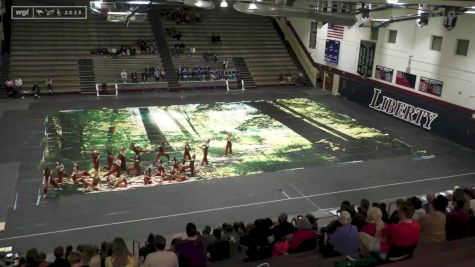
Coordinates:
(405,161)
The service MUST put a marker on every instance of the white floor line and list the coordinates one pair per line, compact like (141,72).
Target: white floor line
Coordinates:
(119,212)
(306,198)
(230,207)
(285,194)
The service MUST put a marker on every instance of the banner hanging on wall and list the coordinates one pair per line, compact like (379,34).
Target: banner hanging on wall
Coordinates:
(332,51)
(366,58)
(312,43)
(406,79)
(431,86)
(384,73)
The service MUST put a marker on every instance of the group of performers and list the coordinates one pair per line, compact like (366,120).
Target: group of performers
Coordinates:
(115,165)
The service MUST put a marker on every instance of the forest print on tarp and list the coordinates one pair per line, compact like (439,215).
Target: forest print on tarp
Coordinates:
(265,137)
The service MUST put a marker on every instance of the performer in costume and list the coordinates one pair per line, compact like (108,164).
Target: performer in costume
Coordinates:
(136,166)
(122,158)
(110,160)
(161,152)
(147,178)
(229,145)
(121,182)
(179,177)
(48,179)
(137,150)
(161,170)
(191,166)
(78,174)
(176,166)
(115,169)
(186,154)
(60,171)
(95,158)
(205,147)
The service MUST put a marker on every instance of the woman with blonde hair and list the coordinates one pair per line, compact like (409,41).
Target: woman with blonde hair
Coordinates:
(372,237)
(121,256)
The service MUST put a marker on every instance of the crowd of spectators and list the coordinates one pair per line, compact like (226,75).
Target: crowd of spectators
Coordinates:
(142,47)
(149,74)
(14,88)
(359,232)
(181,15)
(206,73)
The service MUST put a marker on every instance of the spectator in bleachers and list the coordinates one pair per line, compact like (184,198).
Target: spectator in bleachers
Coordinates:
(344,240)
(433,223)
(457,225)
(429,198)
(394,218)
(120,255)
(75,259)
(60,261)
(134,77)
(35,90)
(156,74)
(162,74)
(106,251)
(383,208)
(372,237)
(257,241)
(10,88)
(49,85)
(216,38)
(220,248)
(313,221)
(191,251)
(303,236)
(418,210)
(148,248)
(161,257)
(359,219)
(283,227)
(280,246)
(19,86)
(123,76)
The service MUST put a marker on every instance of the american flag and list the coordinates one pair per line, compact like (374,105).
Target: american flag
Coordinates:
(335,31)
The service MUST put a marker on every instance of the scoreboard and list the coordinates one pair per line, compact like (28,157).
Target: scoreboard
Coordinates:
(49,12)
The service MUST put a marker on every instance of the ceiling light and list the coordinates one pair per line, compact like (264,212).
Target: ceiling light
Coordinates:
(252,6)
(138,2)
(224,4)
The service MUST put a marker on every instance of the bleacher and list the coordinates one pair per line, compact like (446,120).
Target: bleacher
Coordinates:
(252,37)
(44,49)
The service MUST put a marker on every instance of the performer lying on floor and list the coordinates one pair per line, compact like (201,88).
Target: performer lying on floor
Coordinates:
(48,179)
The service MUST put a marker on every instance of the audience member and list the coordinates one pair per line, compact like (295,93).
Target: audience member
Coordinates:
(60,261)
(280,247)
(433,223)
(220,248)
(457,219)
(49,85)
(148,248)
(345,238)
(359,219)
(257,240)
(418,210)
(123,76)
(283,227)
(121,256)
(403,236)
(35,90)
(304,238)
(161,257)
(383,208)
(429,198)
(10,88)
(191,251)
(394,218)
(313,221)
(75,259)
(19,86)
(372,237)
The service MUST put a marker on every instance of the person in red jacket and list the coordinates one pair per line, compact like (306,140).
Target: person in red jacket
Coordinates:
(115,169)
(121,156)
(78,174)
(110,160)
